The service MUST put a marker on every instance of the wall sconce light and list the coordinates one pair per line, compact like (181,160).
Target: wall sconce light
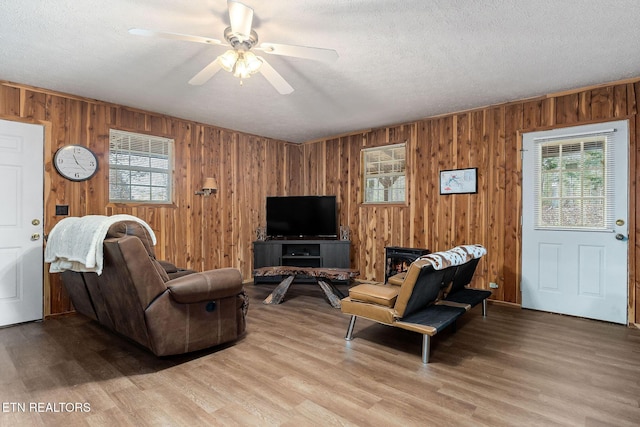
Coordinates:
(208,188)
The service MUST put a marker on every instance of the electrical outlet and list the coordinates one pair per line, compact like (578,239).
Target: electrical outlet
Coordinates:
(493,285)
(62,210)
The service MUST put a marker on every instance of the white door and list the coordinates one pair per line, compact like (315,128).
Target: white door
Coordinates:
(21,215)
(574,223)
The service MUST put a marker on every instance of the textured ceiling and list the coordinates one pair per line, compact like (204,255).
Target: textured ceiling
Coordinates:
(400,60)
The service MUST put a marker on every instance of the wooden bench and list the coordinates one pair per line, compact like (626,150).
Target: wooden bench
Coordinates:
(322,276)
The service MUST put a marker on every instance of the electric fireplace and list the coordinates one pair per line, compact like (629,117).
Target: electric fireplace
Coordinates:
(398,259)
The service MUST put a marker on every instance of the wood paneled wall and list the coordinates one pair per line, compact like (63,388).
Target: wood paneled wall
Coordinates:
(209,232)
(195,231)
(487,138)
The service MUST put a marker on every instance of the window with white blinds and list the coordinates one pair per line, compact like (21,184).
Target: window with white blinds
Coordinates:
(139,167)
(574,182)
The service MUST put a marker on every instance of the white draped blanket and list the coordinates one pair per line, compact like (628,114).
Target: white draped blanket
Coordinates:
(75,243)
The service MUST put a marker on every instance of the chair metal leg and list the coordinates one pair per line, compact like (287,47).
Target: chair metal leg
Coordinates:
(425,348)
(484,308)
(352,323)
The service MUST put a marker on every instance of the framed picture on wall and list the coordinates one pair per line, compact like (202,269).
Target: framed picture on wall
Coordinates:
(459,181)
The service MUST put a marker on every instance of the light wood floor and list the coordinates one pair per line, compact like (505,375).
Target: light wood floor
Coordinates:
(294,368)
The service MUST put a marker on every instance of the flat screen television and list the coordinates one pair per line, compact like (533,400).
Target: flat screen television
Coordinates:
(302,217)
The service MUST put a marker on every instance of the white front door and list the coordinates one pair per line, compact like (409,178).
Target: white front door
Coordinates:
(21,228)
(574,222)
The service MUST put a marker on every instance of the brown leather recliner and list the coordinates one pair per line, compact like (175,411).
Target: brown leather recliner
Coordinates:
(161,307)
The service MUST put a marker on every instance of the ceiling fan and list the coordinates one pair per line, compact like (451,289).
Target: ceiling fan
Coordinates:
(240,59)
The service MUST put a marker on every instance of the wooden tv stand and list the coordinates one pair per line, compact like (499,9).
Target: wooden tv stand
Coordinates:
(300,253)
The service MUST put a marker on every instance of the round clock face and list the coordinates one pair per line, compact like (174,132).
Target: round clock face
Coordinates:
(75,162)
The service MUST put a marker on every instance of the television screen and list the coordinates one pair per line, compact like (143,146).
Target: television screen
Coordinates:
(302,216)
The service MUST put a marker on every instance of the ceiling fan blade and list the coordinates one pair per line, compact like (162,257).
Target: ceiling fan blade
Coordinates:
(207,72)
(241,17)
(173,36)
(316,53)
(273,77)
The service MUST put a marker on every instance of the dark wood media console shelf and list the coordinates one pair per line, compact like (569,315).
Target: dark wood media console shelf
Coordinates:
(299,253)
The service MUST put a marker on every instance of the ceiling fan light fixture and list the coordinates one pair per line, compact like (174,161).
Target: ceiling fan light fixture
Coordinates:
(241,71)
(253,62)
(228,60)
(246,65)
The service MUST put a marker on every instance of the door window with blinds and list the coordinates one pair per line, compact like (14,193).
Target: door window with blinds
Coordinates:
(139,167)
(574,182)
(384,174)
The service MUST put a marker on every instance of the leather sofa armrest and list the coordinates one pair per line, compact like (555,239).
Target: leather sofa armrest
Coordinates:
(375,294)
(397,279)
(206,286)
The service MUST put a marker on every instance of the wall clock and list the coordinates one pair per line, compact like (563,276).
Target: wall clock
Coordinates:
(75,162)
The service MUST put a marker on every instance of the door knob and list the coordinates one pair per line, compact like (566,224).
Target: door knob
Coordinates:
(35,236)
(619,236)
(35,222)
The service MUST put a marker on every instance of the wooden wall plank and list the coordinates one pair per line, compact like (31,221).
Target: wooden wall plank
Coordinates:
(9,101)
(435,132)
(354,184)
(460,160)
(632,105)
(620,108)
(419,190)
(32,104)
(343,192)
(602,103)
(532,114)
(446,203)
(210,205)
(567,109)
(509,281)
